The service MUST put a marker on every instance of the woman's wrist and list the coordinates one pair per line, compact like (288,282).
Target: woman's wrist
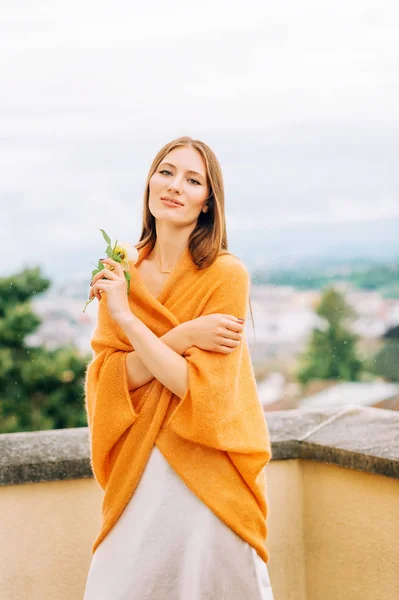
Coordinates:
(124,318)
(179,338)
(186,334)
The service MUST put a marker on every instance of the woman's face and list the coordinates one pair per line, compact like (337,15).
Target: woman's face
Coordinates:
(180,176)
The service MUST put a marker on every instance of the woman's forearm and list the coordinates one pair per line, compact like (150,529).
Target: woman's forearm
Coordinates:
(178,339)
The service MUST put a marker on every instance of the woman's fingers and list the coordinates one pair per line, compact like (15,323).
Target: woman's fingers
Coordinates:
(105,275)
(117,266)
(232,323)
(226,349)
(234,334)
(94,292)
(231,343)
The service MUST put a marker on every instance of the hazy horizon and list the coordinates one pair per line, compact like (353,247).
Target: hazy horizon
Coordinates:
(299,103)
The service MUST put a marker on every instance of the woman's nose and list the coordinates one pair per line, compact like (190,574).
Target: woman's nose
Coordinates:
(175,186)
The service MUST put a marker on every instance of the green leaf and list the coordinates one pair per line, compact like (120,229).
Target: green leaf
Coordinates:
(106,237)
(127,277)
(109,252)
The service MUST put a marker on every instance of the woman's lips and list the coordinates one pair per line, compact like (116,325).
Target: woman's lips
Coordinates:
(170,203)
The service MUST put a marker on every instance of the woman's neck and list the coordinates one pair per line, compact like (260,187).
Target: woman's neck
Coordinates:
(165,258)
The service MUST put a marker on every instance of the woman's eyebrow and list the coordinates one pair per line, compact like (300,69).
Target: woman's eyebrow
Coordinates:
(189,171)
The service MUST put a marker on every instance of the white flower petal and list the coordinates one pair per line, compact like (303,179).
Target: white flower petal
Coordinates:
(131,253)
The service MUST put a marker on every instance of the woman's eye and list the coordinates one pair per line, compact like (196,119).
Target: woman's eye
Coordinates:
(166,171)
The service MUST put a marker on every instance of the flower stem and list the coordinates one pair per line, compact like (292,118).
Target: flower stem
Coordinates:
(88,302)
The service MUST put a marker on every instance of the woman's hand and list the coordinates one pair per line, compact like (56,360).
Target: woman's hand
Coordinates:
(217,332)
(114,285)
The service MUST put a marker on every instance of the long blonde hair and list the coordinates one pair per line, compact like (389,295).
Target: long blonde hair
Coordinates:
(209,238)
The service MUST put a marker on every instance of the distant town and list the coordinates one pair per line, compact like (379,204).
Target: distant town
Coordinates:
(284,310)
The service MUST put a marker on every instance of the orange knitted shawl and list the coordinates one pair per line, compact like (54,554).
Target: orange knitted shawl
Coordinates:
(215,438)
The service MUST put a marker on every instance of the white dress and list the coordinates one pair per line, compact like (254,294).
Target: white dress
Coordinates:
(168,545)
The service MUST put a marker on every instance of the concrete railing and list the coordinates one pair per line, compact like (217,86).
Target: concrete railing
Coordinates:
(333,498)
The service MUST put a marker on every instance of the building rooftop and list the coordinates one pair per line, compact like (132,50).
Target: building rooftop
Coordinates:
(357,393)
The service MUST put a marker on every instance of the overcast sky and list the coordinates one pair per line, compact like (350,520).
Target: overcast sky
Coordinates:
(299,100)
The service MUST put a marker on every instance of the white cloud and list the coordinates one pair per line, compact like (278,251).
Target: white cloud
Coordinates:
(298,100)
(89,65)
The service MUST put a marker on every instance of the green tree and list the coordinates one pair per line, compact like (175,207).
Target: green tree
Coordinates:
(39,388)
(331,353)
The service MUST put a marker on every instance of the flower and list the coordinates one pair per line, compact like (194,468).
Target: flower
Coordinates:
(123,253)
(127,252)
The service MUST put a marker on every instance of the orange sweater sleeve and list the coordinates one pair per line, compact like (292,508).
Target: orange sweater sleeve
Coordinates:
(221,407)
(108,404)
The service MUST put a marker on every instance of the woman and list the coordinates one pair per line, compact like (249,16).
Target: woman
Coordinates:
(178,437)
